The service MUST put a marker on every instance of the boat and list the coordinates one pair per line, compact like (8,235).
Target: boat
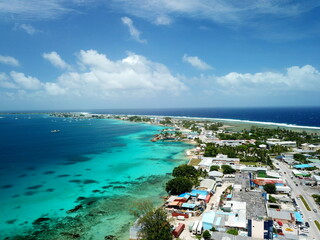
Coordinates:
(55,131)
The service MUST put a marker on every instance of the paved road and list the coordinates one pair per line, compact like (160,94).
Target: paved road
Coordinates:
(296,191)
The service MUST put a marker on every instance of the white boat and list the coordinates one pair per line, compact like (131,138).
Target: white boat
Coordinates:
(55,131)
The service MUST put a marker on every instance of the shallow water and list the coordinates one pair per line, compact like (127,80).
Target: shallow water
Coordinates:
(113,163)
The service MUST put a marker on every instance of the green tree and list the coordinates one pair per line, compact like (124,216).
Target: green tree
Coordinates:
(206,235)
(155,225)
(272,199)
(232,231)
(270,188)
(179,185)
(185,171)
(214,168)
(227,169)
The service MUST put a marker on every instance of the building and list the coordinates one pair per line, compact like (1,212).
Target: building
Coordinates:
(260,229)
(220,159)
(274,142)
(281,215)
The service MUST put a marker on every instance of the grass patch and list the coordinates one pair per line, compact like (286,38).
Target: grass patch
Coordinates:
(318,224)
(194,162)
(253,164)
(263,175)
(305,203)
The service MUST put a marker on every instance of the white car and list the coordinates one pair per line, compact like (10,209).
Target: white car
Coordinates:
(310,219)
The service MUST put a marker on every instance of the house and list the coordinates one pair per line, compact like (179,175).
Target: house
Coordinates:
(281,215)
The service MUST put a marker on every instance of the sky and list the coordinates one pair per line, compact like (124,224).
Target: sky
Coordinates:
(96,54)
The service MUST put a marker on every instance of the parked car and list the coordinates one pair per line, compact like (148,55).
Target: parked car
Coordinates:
(307,224)
(315,210)
(310,219)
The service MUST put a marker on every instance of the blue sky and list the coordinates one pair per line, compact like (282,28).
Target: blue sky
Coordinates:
(91,54)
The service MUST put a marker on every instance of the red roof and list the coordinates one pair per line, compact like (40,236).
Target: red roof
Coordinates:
(262,182)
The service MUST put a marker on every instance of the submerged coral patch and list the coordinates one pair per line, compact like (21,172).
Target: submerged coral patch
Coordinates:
(63,175)
(11,221)
(35,187)
(49,172)
(6,186)
(89,181)
(29,193)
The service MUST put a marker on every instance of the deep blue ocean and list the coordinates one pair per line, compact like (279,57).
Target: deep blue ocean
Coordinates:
(302,116)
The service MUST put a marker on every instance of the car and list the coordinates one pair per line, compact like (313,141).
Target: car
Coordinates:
(315,210)
(307,224)
(310,219)
(306,230)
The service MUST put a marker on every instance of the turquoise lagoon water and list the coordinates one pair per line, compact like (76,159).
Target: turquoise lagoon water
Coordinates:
(112,163)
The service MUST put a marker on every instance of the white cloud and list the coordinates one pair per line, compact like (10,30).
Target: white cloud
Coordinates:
(135,34)
(196,62)
(9,60)
(230,11)
(53,89)
(25,82)
(26,28)
(295,78)
(34,9)
(55,59)
(132,76)
(99,77)
(5,81)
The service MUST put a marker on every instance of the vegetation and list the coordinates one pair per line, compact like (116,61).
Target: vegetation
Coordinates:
(246,153)
(227,169)
(300,158)
(206,235)
(316,198)
(185,170)
(232,231)
(270,188)
(262,134)
(153,221)
(317,224)
(179,185)
(154,225)
(214,168)
(272,199)
(139,119)
(166,121)
(213,127)
(305,203)
(195,161)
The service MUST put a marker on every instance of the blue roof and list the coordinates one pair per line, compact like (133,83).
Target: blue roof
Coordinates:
(188,205)
(185,195)
(199,192)
(229,195)
(208,217)
(218,221)
(302,166)
(298,217)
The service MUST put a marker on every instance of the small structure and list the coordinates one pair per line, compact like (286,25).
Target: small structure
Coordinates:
(283,189)
(208,219)
(302,166)
(178,230)
(207,185)
(215,174)
(282,216)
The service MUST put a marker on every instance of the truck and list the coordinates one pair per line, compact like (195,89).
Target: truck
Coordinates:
(191,226)
(199,228)
(194,228)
